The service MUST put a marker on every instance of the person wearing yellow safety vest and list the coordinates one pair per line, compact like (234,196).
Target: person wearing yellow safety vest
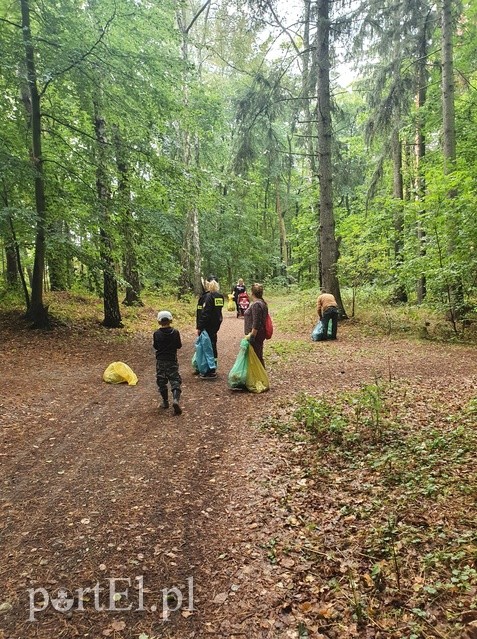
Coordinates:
(209,316)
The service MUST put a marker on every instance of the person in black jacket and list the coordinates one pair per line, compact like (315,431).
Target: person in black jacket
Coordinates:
(209,316)
(167,341)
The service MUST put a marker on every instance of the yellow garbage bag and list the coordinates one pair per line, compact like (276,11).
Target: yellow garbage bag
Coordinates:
(257,378)
(231,303)
(120,373)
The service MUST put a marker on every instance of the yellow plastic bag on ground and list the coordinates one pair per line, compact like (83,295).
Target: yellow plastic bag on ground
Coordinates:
(231,303)
(120,373)
(257,378)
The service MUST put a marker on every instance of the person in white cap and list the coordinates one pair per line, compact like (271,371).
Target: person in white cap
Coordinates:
(167,341)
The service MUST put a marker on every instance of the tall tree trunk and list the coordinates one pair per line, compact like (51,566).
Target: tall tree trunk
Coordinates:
(328,242)
(448,112)
(308,90)
(58,256)
(11,275)
(191,259)
(420,185)
(19,262)
(130,266)
(112,314)
(399,294)
(282,229)
(37,311)
(455,290)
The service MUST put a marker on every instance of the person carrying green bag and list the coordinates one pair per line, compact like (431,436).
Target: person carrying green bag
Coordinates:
(255,318)
(247,371)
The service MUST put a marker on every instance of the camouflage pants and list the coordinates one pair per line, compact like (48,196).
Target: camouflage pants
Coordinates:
(167,371)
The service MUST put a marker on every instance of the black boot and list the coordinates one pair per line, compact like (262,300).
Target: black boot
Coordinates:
(176,395)
(165,399)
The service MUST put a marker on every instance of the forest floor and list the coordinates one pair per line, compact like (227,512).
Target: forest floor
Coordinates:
(258,516)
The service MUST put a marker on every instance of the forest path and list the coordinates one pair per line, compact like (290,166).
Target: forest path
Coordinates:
(98,483)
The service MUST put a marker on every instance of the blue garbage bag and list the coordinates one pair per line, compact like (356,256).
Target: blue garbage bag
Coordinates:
(204,354)
(237,377)
(317,333)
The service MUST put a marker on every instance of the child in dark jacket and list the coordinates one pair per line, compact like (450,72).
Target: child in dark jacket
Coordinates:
(167,341)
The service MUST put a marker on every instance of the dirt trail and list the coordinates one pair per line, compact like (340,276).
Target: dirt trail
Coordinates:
(98,483)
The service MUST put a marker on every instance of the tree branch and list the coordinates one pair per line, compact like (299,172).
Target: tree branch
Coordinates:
(201,10)
(13,24)
(68,126)
(82,57)
(284,29)
(80,155)
(71,172)
(466,80)
(71,127)
(229,64)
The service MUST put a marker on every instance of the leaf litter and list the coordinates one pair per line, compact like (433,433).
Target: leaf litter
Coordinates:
(340,504)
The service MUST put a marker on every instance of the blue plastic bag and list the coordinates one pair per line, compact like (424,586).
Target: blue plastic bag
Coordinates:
(238,373)
(317,333)
(204,354)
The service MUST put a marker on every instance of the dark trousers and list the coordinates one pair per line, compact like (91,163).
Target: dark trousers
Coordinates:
(258,345)
(168,371)
(330,314)
(213,340)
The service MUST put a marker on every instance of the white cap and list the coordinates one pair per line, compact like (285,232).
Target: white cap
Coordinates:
(164,315)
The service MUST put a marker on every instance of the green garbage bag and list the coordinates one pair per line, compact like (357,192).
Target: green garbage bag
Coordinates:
(237,377)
